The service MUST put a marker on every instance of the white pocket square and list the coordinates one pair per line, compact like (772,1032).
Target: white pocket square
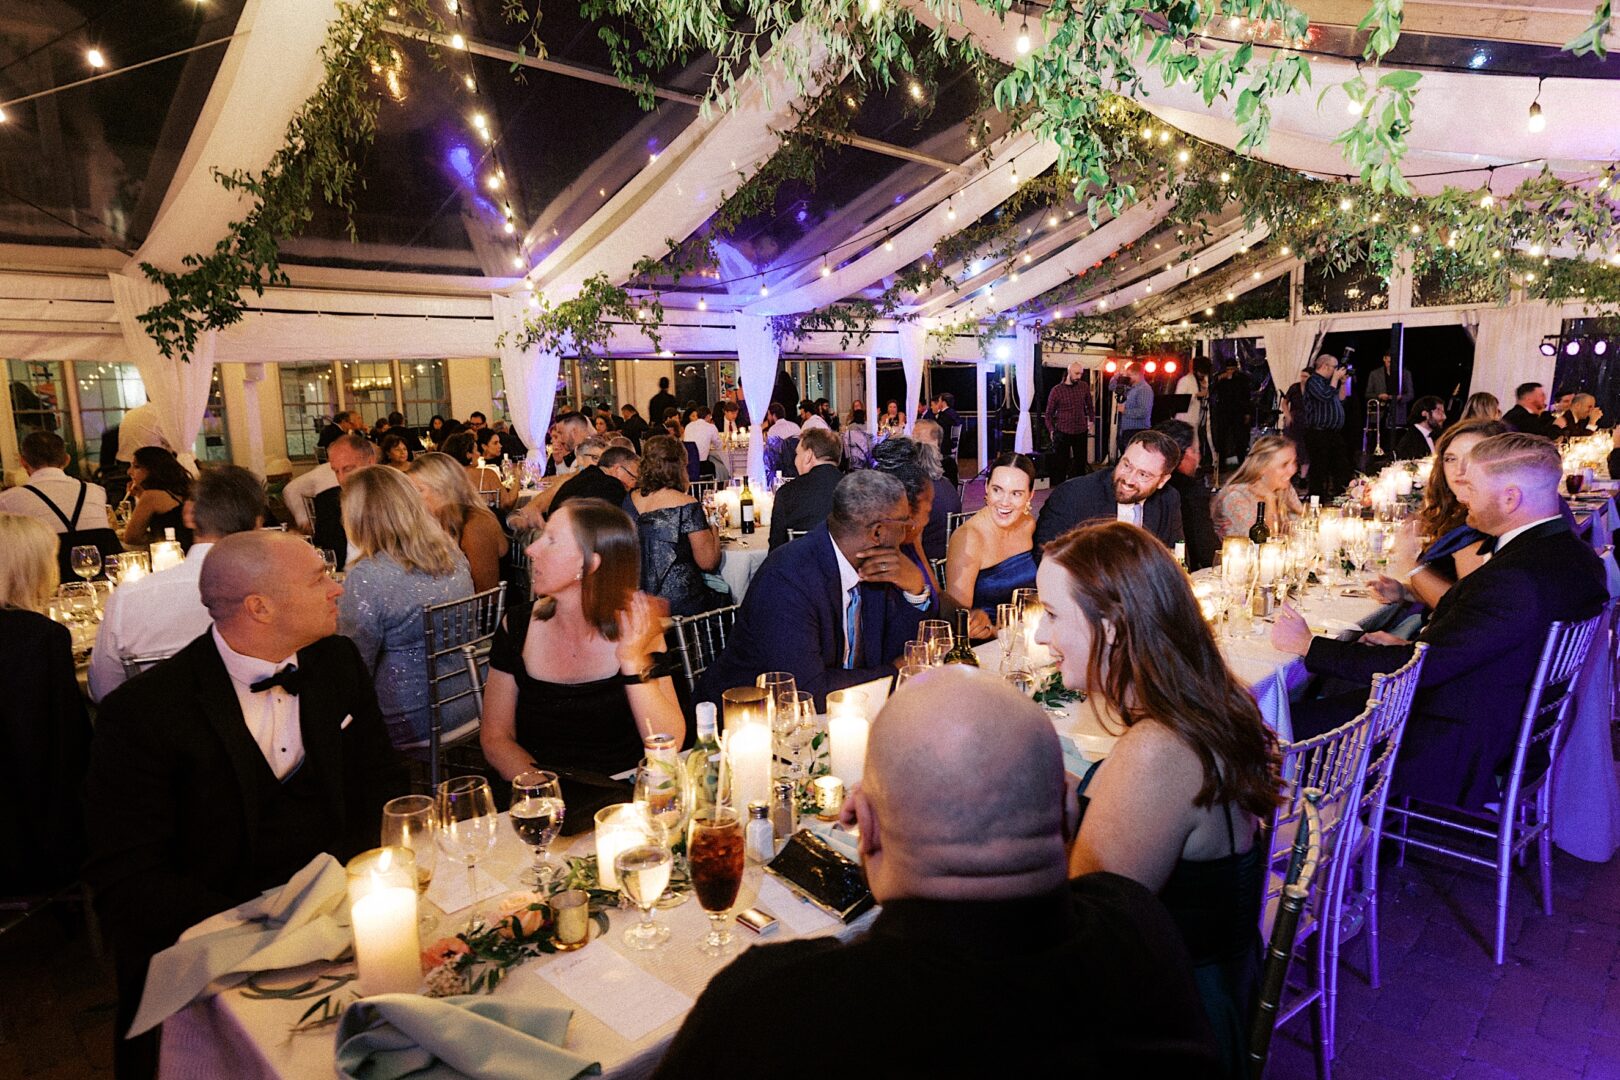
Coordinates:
(347,720)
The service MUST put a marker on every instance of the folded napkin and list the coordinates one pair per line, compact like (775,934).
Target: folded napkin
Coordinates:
(285,927)
(470,1037)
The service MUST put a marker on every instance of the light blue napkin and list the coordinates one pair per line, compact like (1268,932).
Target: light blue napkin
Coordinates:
(286,927)
(470,1037)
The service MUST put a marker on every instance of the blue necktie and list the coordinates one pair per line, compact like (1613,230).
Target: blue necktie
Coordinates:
(852,626)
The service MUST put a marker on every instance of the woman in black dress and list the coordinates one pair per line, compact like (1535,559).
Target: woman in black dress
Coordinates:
(1179,801)
(678,545)
(572,683)
(44,732)
(160,486)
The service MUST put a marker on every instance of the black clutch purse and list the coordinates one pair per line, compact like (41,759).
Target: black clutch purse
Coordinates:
(823,876)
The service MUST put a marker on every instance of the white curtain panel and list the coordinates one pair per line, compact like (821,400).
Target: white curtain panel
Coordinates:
(178,388)
(913,340)
(1290,347)
(758,357)
(530,374)
(1507,349)
(1024,372)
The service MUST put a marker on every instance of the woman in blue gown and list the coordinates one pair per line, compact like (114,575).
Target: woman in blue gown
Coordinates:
(993,552)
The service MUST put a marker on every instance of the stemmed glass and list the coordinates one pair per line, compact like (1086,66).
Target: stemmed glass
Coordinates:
(908,673)
(936,634)
(794,727)
(775,684)
(468,826)
(537,817)
(662,799)
(643,871)
(715,852)
(86,559)
(411,821)
(917,654)
(329,557)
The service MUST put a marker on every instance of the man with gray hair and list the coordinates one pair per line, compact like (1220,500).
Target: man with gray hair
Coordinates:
(252,750)
(836,607)
(347,456)
(985,959)
(160,614)
(1485,636)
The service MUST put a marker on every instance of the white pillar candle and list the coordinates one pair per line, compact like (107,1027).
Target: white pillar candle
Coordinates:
(749,750)
(731,499)
(382,905)
(764,502)
(166,553)
(131,572)
(1271,562)
(1403,483)
(619,828)
(847,730)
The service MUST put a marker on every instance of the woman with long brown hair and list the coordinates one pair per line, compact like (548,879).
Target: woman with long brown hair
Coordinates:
(1179,802)
(571,681)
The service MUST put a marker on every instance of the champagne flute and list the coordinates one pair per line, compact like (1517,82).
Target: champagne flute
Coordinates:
(468,826)
(537,817)
(86,559)
(715,852)
(775,684)
(643,871)
(411,821)
(936,634)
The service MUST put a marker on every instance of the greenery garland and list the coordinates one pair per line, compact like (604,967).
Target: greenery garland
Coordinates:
(321,156)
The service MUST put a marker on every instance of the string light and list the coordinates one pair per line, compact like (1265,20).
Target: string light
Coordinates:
(915,90)
(517,262)
(1354,107)
(457,41)
(764,290)
(826,271)
(1487,200)
(874,6)
(1013,176)
(1164,136)
(1538,120)
(1022,44)
(1346,203)
(1286,250)
(1226,177)
(703,305)
(888,244)
(467,80)
(1183,157)
(3,116)
(509,227)
(950,210)
(94,58)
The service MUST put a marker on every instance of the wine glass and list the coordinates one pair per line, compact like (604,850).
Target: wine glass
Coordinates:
(410,821)
(643,871)
(936,634)
(916,654)
(775,684)
(537,817)
(715,854)
(329,557)
(1022,599)
(468,826)
(793,727)
(906,674)
(86,560)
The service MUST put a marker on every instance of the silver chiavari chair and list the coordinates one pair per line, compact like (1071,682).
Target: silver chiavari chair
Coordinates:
(700,488)
(1524,813)
(457,635)
(954,522)
(701,638)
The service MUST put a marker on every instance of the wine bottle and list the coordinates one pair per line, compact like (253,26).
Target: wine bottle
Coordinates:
(1258,533)
(703,763)
(745,509)
(961,651)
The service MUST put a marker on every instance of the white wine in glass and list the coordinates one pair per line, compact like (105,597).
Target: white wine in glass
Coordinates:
(86,560)
(643,875)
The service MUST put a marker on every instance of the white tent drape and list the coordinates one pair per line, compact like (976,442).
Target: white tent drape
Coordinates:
(1506,348)
(530,374)
(1290,347)
(1024,374)
(177,388)
(758,357)
(913,339)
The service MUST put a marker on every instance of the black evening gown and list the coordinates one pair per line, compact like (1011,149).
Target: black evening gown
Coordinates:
(668,569)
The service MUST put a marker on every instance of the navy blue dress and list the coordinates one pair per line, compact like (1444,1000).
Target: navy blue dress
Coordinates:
(995,584)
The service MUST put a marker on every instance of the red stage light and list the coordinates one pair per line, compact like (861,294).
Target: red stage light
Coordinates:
(1151,366)
(1111,367)
(1169,367)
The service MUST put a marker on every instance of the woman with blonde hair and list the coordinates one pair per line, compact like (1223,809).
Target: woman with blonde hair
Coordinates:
(451,500)
(406,561)
(44,731)
(1265,478)
(573,682)
(1482,406)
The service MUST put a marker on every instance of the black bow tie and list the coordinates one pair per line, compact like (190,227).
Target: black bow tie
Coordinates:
(1487,546)
(288,678)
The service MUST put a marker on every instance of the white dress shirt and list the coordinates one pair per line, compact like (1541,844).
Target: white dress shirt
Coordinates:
(158,615)
(815,422)
(1129,512)
(783,429)
(63,491)
(139,428)
(309,484)
(704,435)
(1512,534)
(271,715)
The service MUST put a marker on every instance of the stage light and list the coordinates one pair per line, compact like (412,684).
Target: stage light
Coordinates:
(1572,348)
(1600,346)
(1548,348)
(1151,366)
(1169,367)
(1110,367)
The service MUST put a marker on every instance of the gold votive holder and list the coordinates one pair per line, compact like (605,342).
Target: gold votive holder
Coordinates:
(571,915)
(829,795)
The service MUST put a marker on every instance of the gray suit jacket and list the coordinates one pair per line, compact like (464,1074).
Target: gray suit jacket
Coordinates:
(1091,498)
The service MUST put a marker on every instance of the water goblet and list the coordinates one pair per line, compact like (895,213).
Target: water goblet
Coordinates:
(537,817)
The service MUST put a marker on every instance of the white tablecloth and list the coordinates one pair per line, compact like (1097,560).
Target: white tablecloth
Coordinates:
(1586,792)
(740,559)
(233,1036)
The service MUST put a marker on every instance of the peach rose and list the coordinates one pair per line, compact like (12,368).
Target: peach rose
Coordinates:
(442,952)
(528,908)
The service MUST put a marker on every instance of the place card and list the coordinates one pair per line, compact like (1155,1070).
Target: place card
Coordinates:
(615,991)
(450,892)
(796,913)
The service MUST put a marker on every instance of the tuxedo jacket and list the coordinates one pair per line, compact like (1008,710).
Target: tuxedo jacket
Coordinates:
(804,503)
(1522,419)
(1411,444)
(1485,640)
(173,808)
(1091,498)
(792,619)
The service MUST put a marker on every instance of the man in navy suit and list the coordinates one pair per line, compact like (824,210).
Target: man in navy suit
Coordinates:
(835,607)
(1485,636)
(1134,491)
